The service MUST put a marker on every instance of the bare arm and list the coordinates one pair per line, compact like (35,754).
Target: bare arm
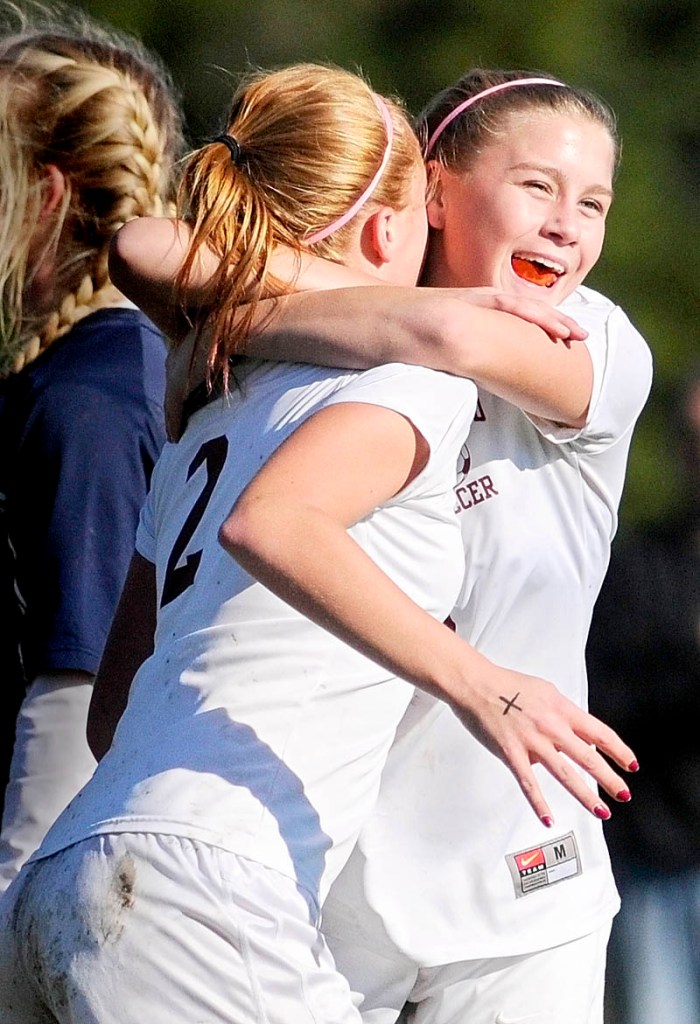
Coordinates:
(460,331)
(129,643)
(503,343)
(144,258)
(327,488)
(147,252)
(443,329)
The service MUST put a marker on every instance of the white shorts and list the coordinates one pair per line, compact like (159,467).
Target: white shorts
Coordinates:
(561,985)
(127,928)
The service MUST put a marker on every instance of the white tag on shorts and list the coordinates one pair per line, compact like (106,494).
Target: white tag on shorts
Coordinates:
(544,865)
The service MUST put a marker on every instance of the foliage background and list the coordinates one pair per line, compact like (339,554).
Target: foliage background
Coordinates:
(641,55)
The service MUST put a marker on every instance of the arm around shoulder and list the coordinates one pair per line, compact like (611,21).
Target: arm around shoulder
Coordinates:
(145,256)
(453,330)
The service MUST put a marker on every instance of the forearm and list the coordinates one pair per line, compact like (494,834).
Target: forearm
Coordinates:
(147,254)
(520,719)
(357,602)
(505,354)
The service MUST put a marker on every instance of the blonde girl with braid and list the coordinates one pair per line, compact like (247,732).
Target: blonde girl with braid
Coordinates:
(89,137)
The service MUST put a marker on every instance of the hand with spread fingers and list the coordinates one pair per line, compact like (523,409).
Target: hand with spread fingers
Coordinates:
(526,721)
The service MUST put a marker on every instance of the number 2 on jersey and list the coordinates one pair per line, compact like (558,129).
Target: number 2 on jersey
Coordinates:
(179,577)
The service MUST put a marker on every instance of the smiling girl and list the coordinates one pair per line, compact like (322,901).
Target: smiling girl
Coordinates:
(456,898)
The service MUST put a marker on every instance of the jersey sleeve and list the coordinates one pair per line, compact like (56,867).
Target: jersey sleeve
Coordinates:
(436,403)
(622,373)
(87,454)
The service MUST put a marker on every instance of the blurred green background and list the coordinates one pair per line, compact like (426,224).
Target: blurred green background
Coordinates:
(643,56)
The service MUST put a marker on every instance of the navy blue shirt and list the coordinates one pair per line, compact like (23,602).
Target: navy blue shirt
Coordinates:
(80,431)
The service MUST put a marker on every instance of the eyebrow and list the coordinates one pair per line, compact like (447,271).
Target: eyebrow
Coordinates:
(556,174)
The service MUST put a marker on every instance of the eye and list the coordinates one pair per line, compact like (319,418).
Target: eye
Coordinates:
(538,186)
(594,206)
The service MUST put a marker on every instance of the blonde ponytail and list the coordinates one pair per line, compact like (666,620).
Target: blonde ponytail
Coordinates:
(305,141)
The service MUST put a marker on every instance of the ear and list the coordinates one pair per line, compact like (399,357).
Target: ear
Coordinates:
(54,189)
(435,205)
(381,235)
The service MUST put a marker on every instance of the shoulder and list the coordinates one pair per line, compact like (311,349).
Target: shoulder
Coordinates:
(104,379)
(433,400)
(402,378)
(115,352)
(605,321)
(622,372)
(585,299)
(618,349)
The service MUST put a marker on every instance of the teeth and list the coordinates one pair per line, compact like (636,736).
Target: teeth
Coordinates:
(558,268)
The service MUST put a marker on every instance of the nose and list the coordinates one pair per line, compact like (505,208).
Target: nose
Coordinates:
(563,223)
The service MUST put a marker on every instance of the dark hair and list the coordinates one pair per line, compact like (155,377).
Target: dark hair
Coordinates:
(465,137)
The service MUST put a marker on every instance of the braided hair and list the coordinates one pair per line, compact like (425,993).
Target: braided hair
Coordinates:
(100,109)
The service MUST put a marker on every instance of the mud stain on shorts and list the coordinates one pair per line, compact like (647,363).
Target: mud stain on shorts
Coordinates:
(119,899)
(125,878)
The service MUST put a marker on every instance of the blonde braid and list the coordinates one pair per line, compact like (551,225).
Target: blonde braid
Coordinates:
(76,305)
(114,135)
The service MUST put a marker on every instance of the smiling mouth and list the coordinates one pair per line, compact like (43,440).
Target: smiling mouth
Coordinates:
(540,271)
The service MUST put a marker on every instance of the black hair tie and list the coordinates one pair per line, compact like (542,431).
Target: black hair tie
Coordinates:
(233,147)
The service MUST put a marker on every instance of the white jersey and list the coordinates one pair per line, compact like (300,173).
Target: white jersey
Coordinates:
(251,728)
(453,860)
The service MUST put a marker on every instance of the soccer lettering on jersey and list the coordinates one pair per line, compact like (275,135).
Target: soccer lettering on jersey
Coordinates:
(471,492)
(544,865)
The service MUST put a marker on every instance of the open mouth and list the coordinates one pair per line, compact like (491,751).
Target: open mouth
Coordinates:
(539,271)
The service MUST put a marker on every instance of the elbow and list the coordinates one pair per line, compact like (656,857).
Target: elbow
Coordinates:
(122,258)
(254,536)
(241,534)
(229,535)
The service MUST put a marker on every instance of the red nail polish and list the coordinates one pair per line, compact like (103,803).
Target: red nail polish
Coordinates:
(547,820)
(601,812)
(633,766)
(624,795)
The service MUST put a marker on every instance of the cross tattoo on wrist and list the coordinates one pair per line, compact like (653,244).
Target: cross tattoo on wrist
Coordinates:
(511,703)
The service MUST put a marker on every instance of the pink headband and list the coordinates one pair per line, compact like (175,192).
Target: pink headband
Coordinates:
(359,203)
(480,96)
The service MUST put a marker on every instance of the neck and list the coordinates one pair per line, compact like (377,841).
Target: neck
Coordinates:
(436,273)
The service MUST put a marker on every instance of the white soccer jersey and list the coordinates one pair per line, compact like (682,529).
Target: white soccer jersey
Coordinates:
(453,860)
(250,728)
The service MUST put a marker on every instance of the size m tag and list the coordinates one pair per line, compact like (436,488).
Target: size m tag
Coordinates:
(544,865)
